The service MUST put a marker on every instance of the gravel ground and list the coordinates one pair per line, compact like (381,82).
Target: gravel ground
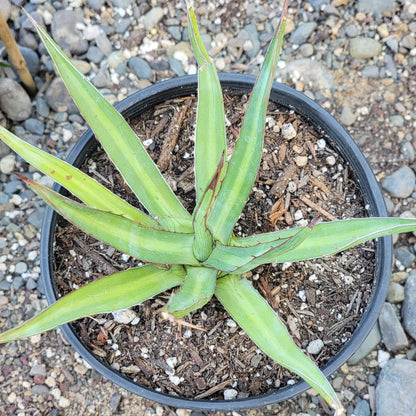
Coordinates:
(357,58)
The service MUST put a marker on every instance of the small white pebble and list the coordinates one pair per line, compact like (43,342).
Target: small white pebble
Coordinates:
(16,199)
(231,323)
(175,380)
(124,316)
(230,394)
(315,346)
(288,131)
(301,161)
(64,402)
(11,398)
(147,142)
(171,362)
(331,160)
(187,334)
(301,295)
(321,143)
(382,358)
(125,257)
(298,215)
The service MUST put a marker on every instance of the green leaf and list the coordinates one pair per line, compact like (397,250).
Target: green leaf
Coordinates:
(329,238)
(81,185)
(204,243)
(196,290)
(263,326)
(210,142)
(147,244)
(231,259)
(244,163)
(120,143)
(118,291)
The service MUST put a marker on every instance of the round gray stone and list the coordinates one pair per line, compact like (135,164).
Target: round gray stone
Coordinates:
(408,151)
(249,33)
(64,31)
(21,267)
(42,107)
(104,44)
(409,306)
(175,32)
(362,408)
(36,217)
(176,66)
(302,32)
(408,41)
(115,59)
(395,293)
(376,6)
(405,257)
(395,391)
(7,164)
(31,284)
(392,333)
(364,48)
(14,100)
(347,117)
(122,25)
(31,58)
(58,97)
(393,44)
(306,50)
(4,150)
(95,54)
(351,31)
(140,67)
(400,183)
(371,71)
(397,120)
(34,126)
(152,18)
(101,79)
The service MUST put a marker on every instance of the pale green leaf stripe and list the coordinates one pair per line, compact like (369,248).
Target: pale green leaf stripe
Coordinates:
(147,244)
(210,143)
(196,290)
(81,185)
(244,163)
(239,260)
(118,291)
(121,144)
(332,237)
(263,326)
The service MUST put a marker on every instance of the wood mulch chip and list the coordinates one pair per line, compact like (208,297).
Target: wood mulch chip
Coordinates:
(298,179)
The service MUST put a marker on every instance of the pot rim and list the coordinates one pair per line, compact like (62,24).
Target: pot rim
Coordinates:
(144,99)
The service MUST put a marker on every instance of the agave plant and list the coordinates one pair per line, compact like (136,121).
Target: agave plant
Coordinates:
(198,252)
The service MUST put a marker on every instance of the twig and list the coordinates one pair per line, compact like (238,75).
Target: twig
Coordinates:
(171,137)
(311,204)
(213,390)
(16,56)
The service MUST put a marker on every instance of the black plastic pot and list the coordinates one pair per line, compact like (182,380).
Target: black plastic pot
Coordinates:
(339,139)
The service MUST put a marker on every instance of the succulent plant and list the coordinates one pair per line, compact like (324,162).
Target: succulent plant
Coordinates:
(198,252)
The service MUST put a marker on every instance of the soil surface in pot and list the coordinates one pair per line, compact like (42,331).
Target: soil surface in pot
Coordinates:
(300,177)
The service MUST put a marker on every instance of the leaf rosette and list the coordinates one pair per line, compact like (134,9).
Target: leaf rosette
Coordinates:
(196,253)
